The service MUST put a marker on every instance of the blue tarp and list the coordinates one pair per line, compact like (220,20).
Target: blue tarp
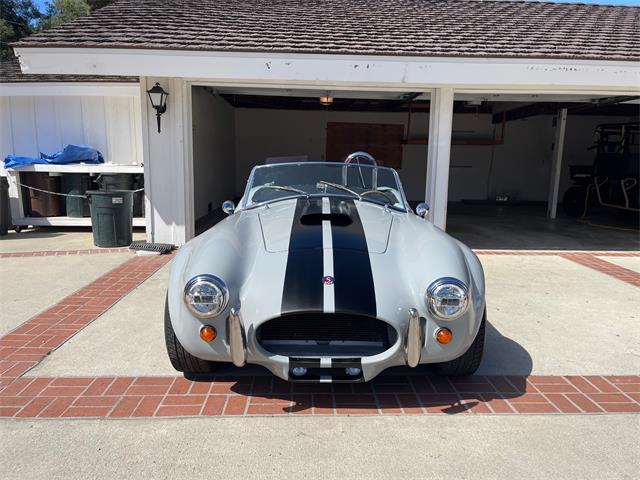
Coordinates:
(70,154)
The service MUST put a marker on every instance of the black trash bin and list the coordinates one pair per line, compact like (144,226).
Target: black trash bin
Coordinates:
(4,207)
(76,184)
(111,217)
(115,181)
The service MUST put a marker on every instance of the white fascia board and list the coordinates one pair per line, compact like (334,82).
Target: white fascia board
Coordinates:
(80,89)
(341,71)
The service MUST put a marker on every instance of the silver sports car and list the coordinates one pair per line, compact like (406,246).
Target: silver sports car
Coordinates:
(323,273)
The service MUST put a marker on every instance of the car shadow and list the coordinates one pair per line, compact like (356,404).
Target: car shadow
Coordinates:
(502,376)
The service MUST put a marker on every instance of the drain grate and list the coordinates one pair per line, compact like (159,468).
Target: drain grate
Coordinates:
(160,248)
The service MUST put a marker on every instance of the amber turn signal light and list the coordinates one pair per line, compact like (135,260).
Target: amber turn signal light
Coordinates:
(208,333)
(444,336)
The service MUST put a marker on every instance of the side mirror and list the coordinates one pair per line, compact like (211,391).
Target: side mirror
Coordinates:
(228,207)
(422,210)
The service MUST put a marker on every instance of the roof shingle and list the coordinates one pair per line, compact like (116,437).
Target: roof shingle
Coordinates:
(10,73)
(452,28)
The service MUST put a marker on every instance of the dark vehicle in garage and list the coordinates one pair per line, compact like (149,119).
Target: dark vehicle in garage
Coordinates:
(612,180)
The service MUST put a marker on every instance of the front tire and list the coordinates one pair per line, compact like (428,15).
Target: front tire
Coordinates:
(182,360)
(467,363)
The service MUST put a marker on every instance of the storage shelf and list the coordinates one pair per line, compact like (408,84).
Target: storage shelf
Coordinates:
(80,168)
(64,221)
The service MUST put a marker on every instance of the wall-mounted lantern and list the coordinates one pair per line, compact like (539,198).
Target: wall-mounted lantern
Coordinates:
(158,99)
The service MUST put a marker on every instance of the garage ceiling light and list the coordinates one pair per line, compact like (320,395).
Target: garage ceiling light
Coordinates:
(326,100)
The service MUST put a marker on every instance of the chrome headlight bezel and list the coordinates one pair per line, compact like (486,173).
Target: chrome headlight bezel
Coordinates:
(206,280)
(431,297)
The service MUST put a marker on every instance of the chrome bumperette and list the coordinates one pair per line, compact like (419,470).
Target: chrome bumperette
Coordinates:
(414,339)
(237,338)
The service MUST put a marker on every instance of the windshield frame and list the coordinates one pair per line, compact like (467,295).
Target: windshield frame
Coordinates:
(404,209)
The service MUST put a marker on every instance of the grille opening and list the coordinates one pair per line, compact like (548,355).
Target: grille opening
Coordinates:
(326,334)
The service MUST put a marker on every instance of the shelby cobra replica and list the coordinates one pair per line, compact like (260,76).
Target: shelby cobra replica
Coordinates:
(323,273)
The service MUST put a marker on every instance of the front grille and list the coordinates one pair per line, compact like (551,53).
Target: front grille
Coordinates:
(324,334)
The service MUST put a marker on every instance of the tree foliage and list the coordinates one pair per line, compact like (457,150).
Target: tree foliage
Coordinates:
(63,11)
(18,18)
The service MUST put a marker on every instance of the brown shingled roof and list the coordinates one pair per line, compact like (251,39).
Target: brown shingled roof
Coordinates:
(452,28)
(10,73)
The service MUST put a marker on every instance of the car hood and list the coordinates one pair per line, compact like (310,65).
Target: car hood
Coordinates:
(297,224)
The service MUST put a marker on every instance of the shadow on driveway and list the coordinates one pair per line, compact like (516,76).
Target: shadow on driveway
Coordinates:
(395,389)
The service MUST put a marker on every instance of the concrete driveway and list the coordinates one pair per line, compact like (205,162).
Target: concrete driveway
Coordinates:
(556,396)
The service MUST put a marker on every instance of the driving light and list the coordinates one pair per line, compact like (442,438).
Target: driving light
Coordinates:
(444,336)
(208,333)
(299,371)
(447,298)
(206,296)
(352,371)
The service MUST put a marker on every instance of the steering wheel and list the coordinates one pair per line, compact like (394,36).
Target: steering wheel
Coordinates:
(387,195)
(356,156)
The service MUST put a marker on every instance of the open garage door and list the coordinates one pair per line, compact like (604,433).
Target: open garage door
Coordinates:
(515,157)
(237,129)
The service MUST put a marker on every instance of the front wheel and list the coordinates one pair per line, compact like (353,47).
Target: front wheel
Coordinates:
(182,360)
(467,363)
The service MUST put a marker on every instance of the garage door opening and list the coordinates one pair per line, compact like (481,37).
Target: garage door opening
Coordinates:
(237,129)
(505,167)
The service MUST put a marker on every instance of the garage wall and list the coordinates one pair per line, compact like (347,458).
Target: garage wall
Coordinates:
(518,168)
(213,151)
(30,125)
(263,133)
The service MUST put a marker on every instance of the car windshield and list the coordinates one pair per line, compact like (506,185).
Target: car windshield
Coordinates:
(366,182)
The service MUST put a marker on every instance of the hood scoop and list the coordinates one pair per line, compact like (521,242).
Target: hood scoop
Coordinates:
(350,226)
(337,219)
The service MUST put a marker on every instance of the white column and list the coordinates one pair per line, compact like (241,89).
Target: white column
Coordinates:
(440,125)
(556,166)
(167,168)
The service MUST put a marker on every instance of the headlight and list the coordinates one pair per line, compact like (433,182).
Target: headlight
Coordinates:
(206,295)
(447,298)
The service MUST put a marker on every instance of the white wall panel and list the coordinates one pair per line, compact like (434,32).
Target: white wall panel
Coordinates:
(30,125)
(23,126)
(44,111)
(95,124)
(69,115)
(6,138)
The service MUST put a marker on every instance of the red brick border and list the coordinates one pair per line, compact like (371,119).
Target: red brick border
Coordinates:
(616,271)
(119,397)
(62,253)
(587,259)
(22,348)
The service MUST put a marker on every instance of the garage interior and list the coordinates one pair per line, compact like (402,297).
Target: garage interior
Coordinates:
(501,155)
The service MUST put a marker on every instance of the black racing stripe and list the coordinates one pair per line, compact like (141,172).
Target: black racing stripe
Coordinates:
(354,287)
(303,276)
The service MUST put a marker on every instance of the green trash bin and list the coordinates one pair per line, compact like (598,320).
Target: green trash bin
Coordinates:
(5,214)
(111,217)
(76,184)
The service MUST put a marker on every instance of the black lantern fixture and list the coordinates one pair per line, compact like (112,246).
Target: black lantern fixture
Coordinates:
(158,98)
